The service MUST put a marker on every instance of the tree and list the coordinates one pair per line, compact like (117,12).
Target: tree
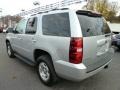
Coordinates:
(16,18)
(102,7)
(7,19)
(90,5)
(107,9)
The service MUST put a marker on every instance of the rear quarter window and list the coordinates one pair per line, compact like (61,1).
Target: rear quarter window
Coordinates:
(56,24)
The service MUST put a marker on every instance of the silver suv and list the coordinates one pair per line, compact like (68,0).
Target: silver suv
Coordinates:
(71,44)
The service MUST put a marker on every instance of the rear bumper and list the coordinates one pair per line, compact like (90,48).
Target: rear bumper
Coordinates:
(75,72)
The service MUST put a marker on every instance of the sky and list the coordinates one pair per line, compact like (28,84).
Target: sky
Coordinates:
(15,6)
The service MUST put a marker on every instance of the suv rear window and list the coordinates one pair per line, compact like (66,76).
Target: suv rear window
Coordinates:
(92,24)
(56,24)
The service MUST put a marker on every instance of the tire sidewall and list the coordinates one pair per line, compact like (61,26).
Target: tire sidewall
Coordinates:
(12,53)
(45,60)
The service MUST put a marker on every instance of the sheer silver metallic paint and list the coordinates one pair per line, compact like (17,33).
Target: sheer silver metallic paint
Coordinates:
(58,48)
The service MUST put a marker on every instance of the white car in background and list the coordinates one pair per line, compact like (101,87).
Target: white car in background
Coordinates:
(4,30)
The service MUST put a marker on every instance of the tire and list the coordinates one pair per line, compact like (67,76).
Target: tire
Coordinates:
(46,70)
(10,52)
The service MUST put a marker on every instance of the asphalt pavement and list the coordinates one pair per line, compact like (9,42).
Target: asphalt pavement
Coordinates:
(17,75)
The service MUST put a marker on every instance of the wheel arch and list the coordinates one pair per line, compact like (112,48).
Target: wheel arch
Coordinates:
(38,52)
(7,40)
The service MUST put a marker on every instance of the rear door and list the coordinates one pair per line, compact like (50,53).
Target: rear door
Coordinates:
(96,39)
(29,39)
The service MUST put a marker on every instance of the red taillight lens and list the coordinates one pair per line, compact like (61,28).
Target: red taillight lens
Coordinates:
(76,50)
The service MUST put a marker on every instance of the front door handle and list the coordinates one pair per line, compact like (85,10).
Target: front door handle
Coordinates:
(33,40)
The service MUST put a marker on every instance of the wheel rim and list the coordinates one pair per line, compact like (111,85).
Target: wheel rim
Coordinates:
(9,50)
(44,71)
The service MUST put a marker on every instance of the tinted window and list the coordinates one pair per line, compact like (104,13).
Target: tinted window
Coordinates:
(21,26)
(31,26)
(93,25)
(56,24)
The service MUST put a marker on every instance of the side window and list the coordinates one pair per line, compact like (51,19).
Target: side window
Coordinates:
(21,26)
(31,26)
(56,24)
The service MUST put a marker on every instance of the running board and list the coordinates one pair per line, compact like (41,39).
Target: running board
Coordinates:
(25,60)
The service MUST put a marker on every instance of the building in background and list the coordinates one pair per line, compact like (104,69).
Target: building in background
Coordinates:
(9,21)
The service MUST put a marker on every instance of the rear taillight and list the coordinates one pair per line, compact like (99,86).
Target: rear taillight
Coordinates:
(76,50)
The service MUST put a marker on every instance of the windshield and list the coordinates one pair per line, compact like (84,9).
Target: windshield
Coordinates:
(93,25)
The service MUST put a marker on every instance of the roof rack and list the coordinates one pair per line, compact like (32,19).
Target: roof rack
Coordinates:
(51,7)
(51,10)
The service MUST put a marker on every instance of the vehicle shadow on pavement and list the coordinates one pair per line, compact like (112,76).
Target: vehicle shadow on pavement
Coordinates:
(116,49)
(90,83)
(87,84)
(15,72)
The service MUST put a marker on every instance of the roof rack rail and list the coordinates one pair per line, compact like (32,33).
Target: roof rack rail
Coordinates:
(50,10)
(33,14)
(51,7)
(64,8)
